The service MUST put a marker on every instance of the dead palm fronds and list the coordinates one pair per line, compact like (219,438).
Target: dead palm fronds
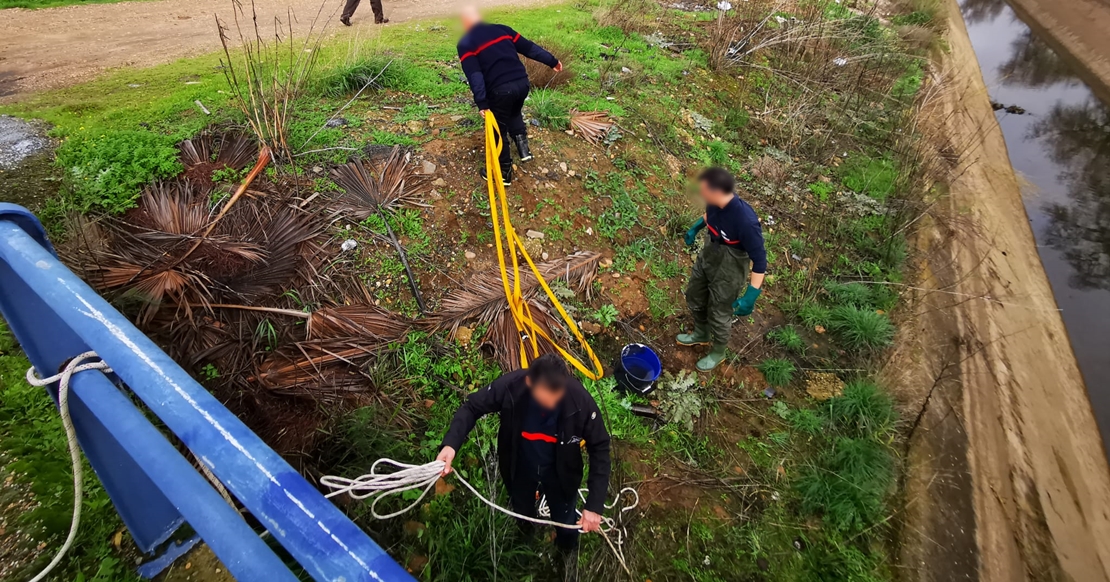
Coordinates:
(171,250)
(388,184)
(367,322)
(483,302)
(396,183)
(326,369)
(484,295)
(210,152)
(593,126)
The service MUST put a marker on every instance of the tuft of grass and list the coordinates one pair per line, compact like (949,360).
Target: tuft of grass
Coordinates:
(777,371)
(789,338)
(861,329)
(856,294)
(548,110)
(863,409)
(848,484)
(814,314)
(660,303)
(872,176)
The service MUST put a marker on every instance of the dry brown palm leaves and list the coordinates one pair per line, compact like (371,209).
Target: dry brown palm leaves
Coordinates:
(388,184)
(318,368)
(366,322)
(208,152)
(167,251)
(593,126)
(483,302)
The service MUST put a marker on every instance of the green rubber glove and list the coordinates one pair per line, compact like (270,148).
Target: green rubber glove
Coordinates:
(692,234)
(746,304)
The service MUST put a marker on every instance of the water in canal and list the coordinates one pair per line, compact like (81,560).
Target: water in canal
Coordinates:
(1060,149)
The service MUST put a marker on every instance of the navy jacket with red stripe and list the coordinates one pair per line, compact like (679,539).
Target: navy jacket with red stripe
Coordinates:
(737,225)
(489,58)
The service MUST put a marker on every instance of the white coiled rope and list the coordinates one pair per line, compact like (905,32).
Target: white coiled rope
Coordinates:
(77,364)
(406,477)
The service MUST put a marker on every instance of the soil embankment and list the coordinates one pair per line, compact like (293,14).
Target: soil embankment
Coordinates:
(56,47)
(1077,30)
(1006,433)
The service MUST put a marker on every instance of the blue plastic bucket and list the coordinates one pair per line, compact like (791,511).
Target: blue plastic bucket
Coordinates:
(637,368)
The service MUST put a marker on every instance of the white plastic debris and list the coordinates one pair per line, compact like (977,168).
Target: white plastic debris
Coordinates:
(348,244)
(779,19)
(840,61)
(724,5)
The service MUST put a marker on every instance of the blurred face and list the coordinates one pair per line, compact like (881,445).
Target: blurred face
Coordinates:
(469,16)
(544,394)
(709,195)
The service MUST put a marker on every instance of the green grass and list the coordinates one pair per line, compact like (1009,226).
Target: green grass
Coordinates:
(789,338)
(36,4)
(777,371)
(546,106)
(875,177)
(34,443)
(861,329)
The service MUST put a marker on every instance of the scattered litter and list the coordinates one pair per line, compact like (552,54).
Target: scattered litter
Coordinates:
(626,70)
(589,231)
(202,107)
(535,234)
(769,392)
(336,122)
(725,6)
(348,244)
(840,61)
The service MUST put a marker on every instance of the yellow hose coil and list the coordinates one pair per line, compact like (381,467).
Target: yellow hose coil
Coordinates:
(522,315)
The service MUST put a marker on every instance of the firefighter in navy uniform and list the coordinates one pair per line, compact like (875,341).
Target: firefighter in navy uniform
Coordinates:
(547,420)
(721,271)
(498,80)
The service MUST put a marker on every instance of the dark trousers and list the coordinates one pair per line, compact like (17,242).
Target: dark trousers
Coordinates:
(522,497)
(352,5)
(718,277)
(505,102)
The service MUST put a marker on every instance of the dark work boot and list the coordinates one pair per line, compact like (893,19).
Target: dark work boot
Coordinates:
(506,174)
(522,147)
(346,20)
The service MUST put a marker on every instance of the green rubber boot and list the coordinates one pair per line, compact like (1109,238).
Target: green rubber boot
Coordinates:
(700,337)
(715,357)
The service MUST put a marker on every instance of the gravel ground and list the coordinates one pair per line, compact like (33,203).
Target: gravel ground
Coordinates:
(20,140)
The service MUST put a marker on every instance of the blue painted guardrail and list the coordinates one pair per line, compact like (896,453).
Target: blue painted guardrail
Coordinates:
(56,316)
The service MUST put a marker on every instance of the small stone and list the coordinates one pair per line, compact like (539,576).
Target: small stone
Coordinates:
(428,403)
(616,275)
(534,234)
(543,256)
(571,173)
(590,232)
(470,256)
(543,170)
(439,183)
(188,565)
(429,167)
(415,126)
(435,195)
(570,132)
(457,118)
(317,169)
(606,262)
(563,166)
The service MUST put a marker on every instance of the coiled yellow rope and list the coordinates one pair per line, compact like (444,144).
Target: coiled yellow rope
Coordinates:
(522,316)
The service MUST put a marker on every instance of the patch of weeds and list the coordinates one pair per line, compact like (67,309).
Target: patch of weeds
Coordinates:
(806,421)
(777,371)
(861,329)
(667,269)
(679,400)
(660,303)
(875,177)
(856,294)
(107,172)
(547,108)
(821,190)
(210,372)
(412,112)
(848,484)
(606,315)
(382,137)
(789,338)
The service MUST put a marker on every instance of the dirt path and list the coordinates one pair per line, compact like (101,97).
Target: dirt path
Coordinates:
(54,47)
(1007,430)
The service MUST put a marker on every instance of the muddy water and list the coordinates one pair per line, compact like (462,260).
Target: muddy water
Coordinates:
(1060,148)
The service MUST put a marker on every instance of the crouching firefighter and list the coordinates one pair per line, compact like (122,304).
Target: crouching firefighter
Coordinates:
(721,270)
(498,79)
(547,420)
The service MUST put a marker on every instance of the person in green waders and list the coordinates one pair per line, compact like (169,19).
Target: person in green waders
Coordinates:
(721,270)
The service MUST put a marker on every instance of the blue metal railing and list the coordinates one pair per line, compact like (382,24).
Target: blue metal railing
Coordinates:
(56,316)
